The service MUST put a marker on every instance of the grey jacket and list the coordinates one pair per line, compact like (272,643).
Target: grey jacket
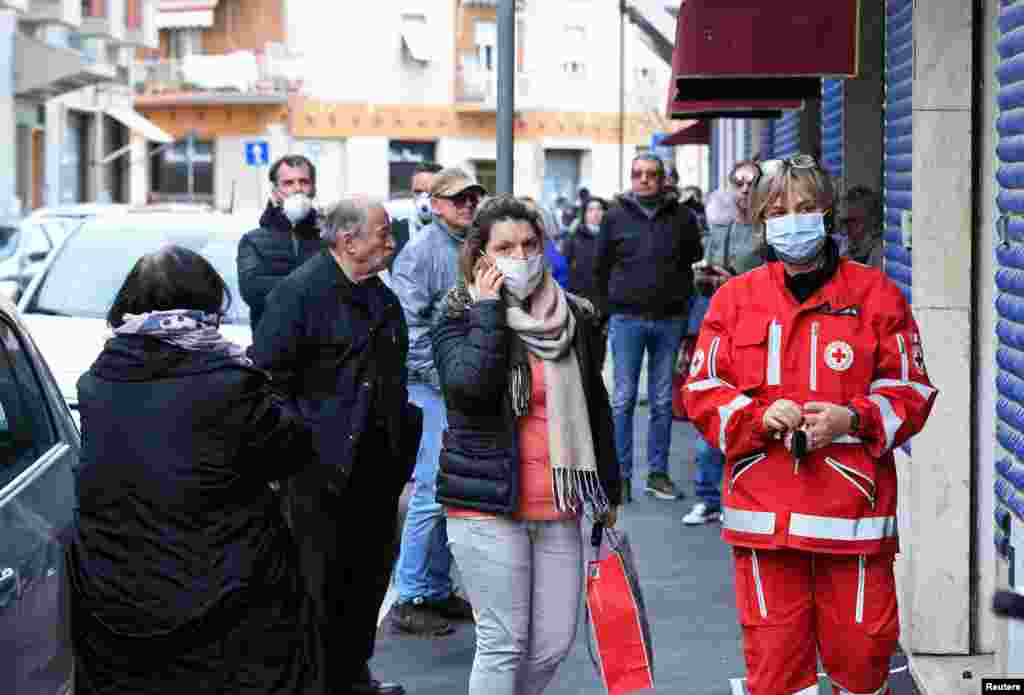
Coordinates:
(734,246)
(423,273)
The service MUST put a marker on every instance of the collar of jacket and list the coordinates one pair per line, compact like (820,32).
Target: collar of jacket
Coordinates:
(327,272)
(439,223)
(833,289)
(629,201)
(273,218)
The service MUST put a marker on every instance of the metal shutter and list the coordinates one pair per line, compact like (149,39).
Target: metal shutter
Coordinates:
(748,139)
(787,135)
(832,98)
(1009,485)
(899,89)
(767,139)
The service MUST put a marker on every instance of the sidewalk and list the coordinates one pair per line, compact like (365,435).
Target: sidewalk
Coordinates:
(686,573)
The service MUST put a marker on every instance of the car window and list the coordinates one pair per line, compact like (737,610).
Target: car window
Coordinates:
(8,241)
(35,515)
(26,428)
(91,267)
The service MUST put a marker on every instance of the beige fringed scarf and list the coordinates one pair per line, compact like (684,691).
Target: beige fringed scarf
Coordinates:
(547,327)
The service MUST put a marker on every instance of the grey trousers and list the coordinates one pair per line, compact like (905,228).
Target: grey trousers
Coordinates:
(525,581)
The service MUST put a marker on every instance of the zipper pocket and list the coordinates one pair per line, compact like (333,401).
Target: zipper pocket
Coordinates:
(861,577)
(855,477)
(762,605)
(744,465)
(814,356)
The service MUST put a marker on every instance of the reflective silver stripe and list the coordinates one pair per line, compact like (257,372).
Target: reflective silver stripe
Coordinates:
(859,617)
(925,391)
(713,357)
(725,414)
(746,521)
(757,584)
(814,356)
(827,528)
(904,358)
(847,439)
(890,420)
(707,385)
(844,691)
(773,376)
(809,690)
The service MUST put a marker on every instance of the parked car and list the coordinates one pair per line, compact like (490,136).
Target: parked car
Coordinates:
(39,449)
(66,305)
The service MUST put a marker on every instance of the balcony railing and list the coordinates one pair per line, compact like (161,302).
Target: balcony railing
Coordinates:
(242,73)
(477,87)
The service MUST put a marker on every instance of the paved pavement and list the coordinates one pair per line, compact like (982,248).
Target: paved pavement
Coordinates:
(686,575)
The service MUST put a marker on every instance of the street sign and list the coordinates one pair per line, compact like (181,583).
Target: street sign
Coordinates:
(257,153)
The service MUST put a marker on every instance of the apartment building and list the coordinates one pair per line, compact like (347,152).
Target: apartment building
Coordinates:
(65,102)
(395,83)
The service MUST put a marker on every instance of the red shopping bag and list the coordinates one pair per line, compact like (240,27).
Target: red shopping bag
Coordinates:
(618,619)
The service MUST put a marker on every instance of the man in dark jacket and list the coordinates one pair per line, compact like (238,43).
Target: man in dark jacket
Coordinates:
(287,236)
(335,337)
(645,252)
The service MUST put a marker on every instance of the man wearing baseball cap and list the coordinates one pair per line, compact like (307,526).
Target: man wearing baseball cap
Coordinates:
(426,268)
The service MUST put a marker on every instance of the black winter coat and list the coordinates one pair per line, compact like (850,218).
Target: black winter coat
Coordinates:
(580,251)
(644,263)
(178,538)
(474,351)
(338,351)
(268,254)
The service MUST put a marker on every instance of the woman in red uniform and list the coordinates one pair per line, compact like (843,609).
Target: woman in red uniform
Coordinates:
(808,372)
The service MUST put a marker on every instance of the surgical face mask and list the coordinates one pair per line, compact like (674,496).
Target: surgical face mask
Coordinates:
(423,207)
(296,207)
(521,276)
(797,239)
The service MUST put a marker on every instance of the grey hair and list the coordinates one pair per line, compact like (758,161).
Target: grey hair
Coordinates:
(348,217)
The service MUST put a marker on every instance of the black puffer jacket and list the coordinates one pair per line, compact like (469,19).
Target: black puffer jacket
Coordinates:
(580,251)
(270,253)
(474,351)
(644,259)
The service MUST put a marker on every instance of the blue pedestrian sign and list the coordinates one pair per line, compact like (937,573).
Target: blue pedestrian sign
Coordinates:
(257,153)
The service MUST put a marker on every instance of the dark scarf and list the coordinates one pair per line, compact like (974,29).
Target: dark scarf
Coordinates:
(802,286)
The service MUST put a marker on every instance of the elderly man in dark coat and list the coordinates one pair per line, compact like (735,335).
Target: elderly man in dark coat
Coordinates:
(335,338)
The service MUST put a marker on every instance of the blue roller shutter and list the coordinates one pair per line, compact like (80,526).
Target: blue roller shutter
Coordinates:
(787,135)
(748,139)
(832,98)
(767,139)
(1009,485)
(899,89)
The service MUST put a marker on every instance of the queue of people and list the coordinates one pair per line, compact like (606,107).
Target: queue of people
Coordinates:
(223,557)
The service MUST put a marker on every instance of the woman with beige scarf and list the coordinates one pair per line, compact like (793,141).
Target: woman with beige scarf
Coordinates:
(529,447)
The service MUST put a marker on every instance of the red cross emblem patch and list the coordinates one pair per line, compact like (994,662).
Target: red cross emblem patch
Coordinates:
(839,356)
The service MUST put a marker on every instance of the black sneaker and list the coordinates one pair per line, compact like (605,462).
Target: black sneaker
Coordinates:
(417,618)
(453,608)
(659,485)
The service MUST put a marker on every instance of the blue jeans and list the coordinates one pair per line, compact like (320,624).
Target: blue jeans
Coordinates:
(710,464)
(424,563)
(660,338)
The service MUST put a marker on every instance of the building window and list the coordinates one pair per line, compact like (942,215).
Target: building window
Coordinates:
(575,44)
(184,42)
(485,36)
(169,175)
(403,156)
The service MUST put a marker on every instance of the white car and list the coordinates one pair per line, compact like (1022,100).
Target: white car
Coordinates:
(66,305)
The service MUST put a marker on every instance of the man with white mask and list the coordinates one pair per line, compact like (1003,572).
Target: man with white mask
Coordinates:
(287,237)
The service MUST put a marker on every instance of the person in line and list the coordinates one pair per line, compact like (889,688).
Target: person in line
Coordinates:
(861,227)
(693,198)
(529,445)
(808,372)
(580,251)
(730,248)
(182,570)
(334,338)
(645,253)
(427,268)
(287,237)
(554,240)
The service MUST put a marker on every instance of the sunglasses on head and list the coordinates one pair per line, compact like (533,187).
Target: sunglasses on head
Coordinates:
(771,167)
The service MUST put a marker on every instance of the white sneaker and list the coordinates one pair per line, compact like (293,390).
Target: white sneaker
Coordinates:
(700,514)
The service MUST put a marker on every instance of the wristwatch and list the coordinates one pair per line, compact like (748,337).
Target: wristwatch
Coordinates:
(854,420)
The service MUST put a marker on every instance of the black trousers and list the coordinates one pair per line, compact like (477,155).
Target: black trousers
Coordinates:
(345,550)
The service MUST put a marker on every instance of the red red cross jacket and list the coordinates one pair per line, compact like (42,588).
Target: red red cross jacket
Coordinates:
(855,343)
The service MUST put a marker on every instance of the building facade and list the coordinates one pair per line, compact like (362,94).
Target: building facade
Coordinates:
(65,101)
(396,83)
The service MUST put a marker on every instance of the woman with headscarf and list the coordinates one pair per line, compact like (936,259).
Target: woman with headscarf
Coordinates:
(529,446)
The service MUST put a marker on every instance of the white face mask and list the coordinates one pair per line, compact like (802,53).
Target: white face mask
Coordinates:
(423,208)
(521,276)
(296,206)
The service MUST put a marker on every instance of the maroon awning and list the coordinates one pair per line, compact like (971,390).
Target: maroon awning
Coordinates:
(694,133)
(740,57)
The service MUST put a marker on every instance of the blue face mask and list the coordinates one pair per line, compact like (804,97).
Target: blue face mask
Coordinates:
(797,239)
